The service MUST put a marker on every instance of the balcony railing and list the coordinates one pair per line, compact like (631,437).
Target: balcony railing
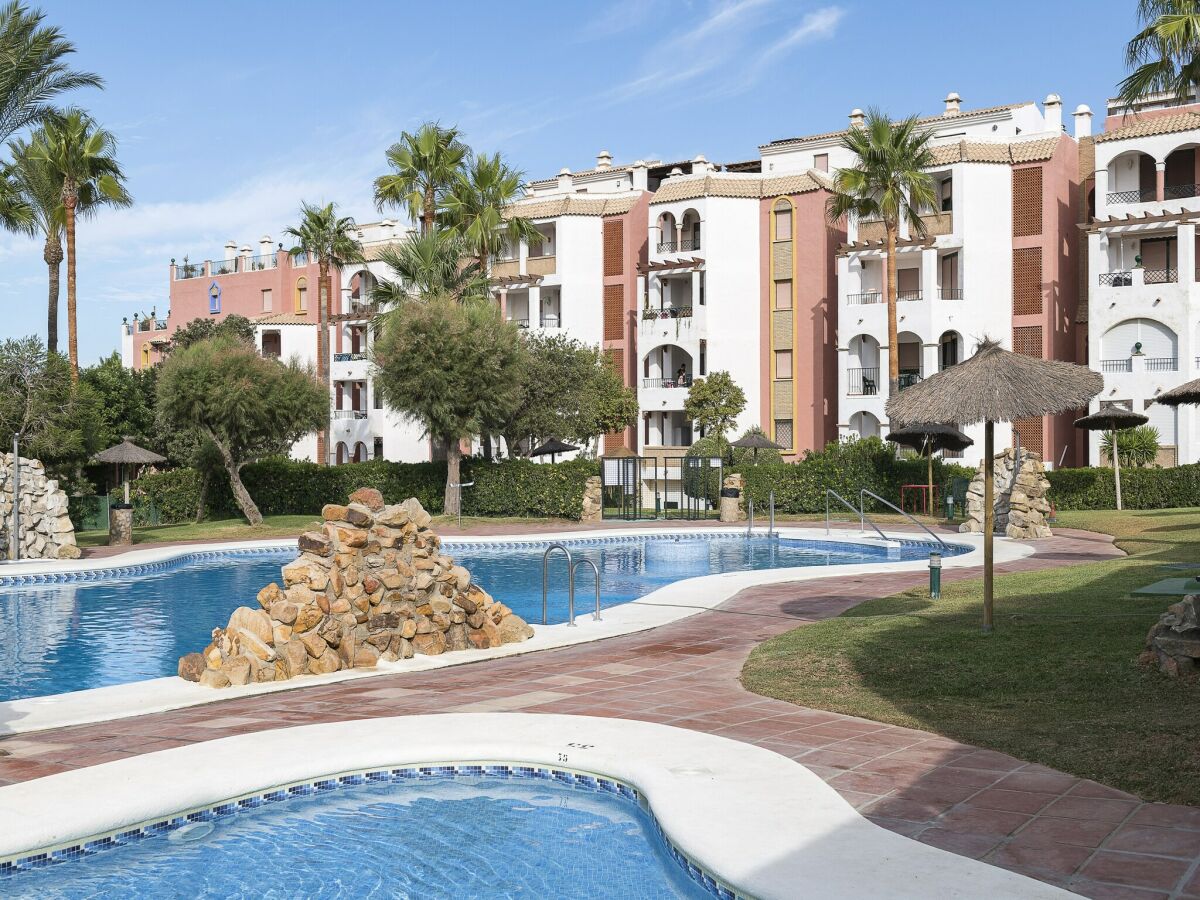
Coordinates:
(1179,191)
(909,377)
(260,261)
(1160,276)
(151,324)
(1137,195)
(864,298)
(550,321)
(222,266)
(1123,278)
(350,414)
(349,357)
(186,269)
(1116,365)
(299,260)
(950,293)
(668,312)
(692,243)
(908,295)
(863,382)
(520,323)
(1162,364)
(682,382)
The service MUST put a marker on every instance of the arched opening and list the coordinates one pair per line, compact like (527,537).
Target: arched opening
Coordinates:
(690,231)
(360,452)
(1179,175)
(863,366)
(1152,342)
(667,365)
(950,348)
(342,453)
(1132,178)
(864,424)
(146,355)
(908,351)
(362,283)
(301,295)
(666,233)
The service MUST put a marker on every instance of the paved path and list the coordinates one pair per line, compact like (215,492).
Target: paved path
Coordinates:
(1075,833)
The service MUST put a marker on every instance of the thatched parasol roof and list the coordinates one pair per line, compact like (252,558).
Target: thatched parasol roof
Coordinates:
(996,385)
(128,453)
(552,446)
(756,440)
(934,434)
(1186,393)
(1112,418)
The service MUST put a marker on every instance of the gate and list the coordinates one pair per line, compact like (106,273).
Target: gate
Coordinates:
(628,487)
(691,487)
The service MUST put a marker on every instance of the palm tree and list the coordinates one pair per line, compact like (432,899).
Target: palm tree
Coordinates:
(1165,54)
(333,242)
(34,69)
(429,265)
(476,203)
(888,182)
(84,156)
(39,185)
(424,166)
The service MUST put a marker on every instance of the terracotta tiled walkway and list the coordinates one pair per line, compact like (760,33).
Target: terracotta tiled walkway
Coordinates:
(1078,834)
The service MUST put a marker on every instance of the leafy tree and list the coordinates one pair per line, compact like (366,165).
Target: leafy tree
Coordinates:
(714,403)
(1165,54)
(453,368)
(739,456)
(236,327)
(333,242)
(84,155)
(126,402)
(889,182)
(478,206)
(570,391)
(1137,447)
(247,406)
(424,165)
(427,265)
(35,69)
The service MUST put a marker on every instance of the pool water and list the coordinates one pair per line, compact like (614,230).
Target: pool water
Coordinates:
(449,837)
(75,636)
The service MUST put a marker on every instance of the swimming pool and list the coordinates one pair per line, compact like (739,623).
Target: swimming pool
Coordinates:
(498,831)
(127,627)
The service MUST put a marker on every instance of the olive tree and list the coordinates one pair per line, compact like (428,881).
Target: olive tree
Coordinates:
(453,368)
(247,406)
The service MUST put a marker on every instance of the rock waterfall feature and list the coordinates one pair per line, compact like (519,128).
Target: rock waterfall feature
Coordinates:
(46,529)
(1021,506)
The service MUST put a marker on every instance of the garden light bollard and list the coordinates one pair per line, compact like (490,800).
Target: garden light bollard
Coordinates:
(935,575)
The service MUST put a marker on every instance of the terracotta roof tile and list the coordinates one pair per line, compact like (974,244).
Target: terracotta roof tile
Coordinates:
(575,205)
(283,318)
(1186,121)
(985,151)
(926,120)
(728,185)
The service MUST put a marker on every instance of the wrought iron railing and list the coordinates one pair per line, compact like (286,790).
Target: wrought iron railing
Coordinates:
(299,260)
(1179,191)
(950,293)
(864,298)
(186,269)
(349,357)
(909,377)
(668,312)
(863,382)
(222,266)
(692,243)
(908,295)
(349,413)
(1137,195)
(549,321)
(1116,365)
(1122,278)
(1162,364)
(682,381)
(1160,276)
(260,261)
(520,323)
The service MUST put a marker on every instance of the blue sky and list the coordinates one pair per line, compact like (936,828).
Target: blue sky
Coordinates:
(229,114)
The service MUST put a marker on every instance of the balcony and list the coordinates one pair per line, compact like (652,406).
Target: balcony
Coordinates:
(1116,365)
(186,270)
(1180,191)
(260,262)
(1160,276)
(541,265)
(864,298)
(350,413)
(936,223)
(667,312)
(863,382)
(679,246)
(520,323)
(1120,278)
(549,320)
(349,357)
(1137,195)
(1161,364)
(505,268)
(950,293)
(908,295)
(683,382)
(909,377)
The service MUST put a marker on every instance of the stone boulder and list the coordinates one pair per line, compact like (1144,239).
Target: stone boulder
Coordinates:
(1019,494)
(1173,644)
(371,585)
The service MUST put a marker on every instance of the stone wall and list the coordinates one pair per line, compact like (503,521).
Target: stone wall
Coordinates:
(1020,505)
(372,584)
(593,499)
(46,529)
(1174,642)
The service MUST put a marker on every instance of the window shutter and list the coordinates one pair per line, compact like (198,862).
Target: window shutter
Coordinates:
(1027,201)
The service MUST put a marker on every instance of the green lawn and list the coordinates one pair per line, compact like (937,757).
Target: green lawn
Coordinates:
(216,530)
(1057,683)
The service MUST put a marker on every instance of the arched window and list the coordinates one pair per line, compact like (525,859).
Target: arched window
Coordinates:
(1139,337)
(146,355)
(949,350)
(781,226)
(301,295)
(342,453)
(360,452)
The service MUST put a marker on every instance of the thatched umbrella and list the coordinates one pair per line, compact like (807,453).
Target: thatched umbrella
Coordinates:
(928,437)
(124,455)
(1113,418)
(995,385)
(756,440)
(553,447)
(1186,394)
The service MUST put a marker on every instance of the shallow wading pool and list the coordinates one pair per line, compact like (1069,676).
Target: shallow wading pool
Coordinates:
(118,627)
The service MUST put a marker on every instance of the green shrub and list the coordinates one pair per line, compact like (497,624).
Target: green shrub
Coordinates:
(1093,488)
(174,495)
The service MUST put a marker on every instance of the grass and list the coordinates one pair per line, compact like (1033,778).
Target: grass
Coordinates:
(1057,683)
(215,530)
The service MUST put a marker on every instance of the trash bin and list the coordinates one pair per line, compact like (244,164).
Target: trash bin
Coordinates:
(731,502)
(120,525)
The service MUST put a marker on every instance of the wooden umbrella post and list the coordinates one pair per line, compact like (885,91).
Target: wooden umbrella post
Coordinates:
(989,520)
(929,465)
(1116,467)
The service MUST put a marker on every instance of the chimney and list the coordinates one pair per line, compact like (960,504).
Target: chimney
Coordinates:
(1053,112)
(1083,121)
(603,160)
(264,246)
(857,117)
(952,104)
(231,249)
(640,175)
(700,165)
(565,182)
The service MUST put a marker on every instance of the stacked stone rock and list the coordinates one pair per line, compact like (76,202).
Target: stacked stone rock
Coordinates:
(593,499)
(46,529)
(1174,641)
(372,584)
(1021,506)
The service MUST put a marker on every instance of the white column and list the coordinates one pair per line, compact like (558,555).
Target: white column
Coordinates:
(695,290)
(1186,244)
(535,306)
(522,257)
(929,274)
(929,359)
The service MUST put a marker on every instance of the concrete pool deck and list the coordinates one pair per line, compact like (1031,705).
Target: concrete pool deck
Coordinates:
(1063,830)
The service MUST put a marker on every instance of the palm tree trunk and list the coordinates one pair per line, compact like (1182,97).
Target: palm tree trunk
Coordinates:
(69,201)
(453,498)
(323,357)
(893,340)
(53,255)
(428,210)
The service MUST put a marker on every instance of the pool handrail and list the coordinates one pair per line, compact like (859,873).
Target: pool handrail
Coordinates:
(863,492)
(863,520)
(570,583)
(596,571)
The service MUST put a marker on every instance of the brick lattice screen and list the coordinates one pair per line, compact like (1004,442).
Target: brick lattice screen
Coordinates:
(1030,433)
(616,358)
(1027,201)
(1027,340)
(614,312)
(1027,281)
(614,240)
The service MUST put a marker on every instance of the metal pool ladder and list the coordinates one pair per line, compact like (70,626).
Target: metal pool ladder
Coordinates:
(863,493)
(570,584)
(595,571)
(863,519)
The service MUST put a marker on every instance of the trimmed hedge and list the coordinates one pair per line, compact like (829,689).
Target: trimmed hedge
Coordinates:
(281,486)
(1093,488)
